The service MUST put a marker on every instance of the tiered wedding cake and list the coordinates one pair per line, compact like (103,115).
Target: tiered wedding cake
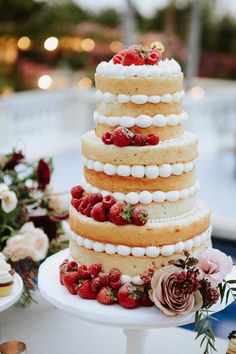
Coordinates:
(140,154)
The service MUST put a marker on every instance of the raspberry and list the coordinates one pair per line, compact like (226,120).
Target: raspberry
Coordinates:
(96,285)
(133,56)
(72,266)
(75,203)
(122,136)
(152,139)
(98,212)
(117,59)
(104,278)
(108,201)
(107,138)
(153,57)
(95,198)
(83,272)
(77,192)
(139,140)
(115,278)
(94,269)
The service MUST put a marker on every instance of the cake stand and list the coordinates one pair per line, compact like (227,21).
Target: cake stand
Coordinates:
(8,301)
(135,323)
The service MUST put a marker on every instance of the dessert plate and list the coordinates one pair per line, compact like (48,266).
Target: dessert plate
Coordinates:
(8,301)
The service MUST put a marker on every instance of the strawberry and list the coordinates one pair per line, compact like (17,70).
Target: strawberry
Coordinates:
(77,192)
(120,213)
(95,198)
(70,280)
(107,138)
(139,216)
(83,272)
(106,296)
(133,56)
(108,201)
(152,139)
(153,57)
(128,296)
(122,136)
(96,285)
(104,278)
(72,266)
(94,269)
(139,140)
(63,270)
(75,203)
(98,212)
(85,291)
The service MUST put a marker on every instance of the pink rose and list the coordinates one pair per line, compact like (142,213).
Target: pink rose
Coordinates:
(167,296)
(30,242)
(214,265)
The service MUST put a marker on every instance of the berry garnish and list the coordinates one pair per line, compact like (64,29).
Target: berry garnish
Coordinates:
(153,57)
(72,266)
(96,285)
(70,281)
(107,138)
(75,203)
(104,278)
(85,291)
(107,296)
(133,56)
(117,59)
(85,207)
(115,278)
(63,270)
(139,140)
(120,213)
(95,198)
(83,272)
(139,216)
(128,296)
(98,212)
(122,136)
(77,192)
(108,201)
(152,139)
(94,269)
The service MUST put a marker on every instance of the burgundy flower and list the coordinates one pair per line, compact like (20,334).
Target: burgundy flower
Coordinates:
(43,174)
(13,160)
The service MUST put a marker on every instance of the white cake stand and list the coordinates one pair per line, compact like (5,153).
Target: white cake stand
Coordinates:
(8,301)
(135,323)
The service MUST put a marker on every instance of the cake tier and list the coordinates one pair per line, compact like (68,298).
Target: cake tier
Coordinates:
(178,150)
(149,86)
(155,233)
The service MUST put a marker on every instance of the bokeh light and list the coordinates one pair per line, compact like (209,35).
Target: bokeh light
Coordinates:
(44,82)
(51,43)
(87,44)
(85,83)
(24,43)
(116,46)
(197,92)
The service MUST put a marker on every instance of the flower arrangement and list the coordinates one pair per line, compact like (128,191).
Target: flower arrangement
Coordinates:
(30,216)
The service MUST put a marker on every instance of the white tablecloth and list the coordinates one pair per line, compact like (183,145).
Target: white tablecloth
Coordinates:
(46,330)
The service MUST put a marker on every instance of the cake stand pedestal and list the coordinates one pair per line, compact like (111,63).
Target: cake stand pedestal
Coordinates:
(8,301)
(135,323)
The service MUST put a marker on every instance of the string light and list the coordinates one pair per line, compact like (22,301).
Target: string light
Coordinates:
(51,44)
(87,44)
(116,46)
(44,82)
(85,83)
(24,43)
(197,92)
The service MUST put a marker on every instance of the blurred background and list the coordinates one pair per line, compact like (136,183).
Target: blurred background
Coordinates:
(48,54)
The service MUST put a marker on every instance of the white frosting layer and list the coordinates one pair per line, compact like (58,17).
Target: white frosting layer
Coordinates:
(163,68)
(5,276)
(151,171)
(142,121)
(145,197)
(139,99)
(151,251)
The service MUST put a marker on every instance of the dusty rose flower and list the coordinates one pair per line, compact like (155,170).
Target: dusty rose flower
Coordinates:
(31,242)
(214,265)
(167,296)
